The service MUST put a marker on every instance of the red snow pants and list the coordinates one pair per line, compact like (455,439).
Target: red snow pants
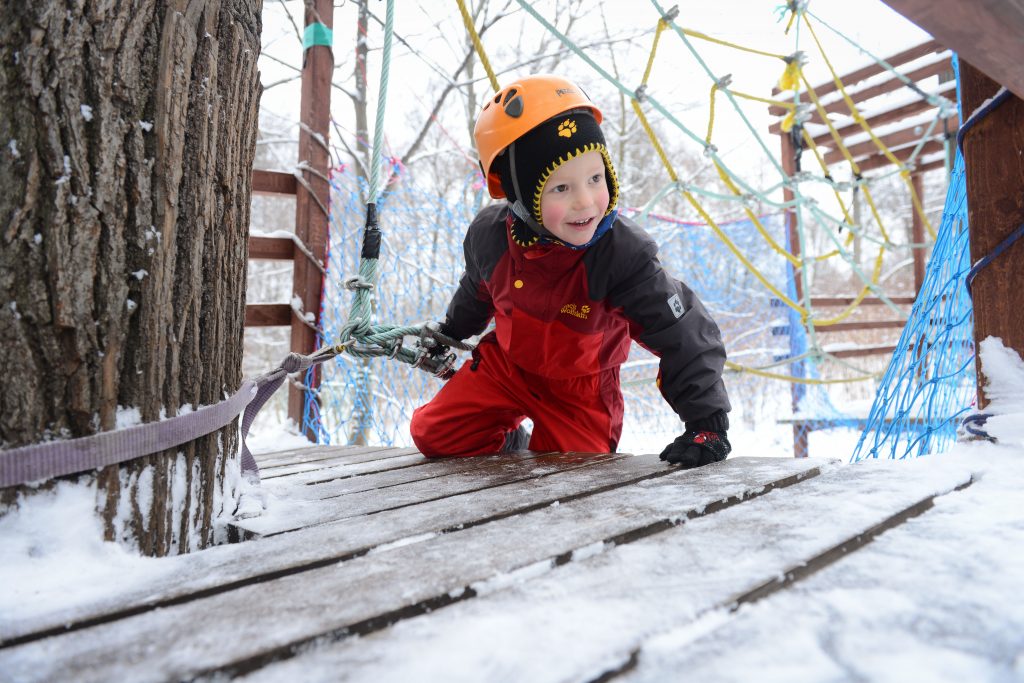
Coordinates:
(489,396)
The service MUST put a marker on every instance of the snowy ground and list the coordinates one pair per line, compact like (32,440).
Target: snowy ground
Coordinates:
(938,599)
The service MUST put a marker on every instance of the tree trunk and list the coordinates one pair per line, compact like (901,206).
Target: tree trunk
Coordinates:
(128,132)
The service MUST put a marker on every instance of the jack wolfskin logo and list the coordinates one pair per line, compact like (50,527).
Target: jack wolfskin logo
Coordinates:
(570,309)
(566,128)
(676,305)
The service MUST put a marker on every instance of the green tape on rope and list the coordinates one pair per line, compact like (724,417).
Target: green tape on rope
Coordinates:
(317,34)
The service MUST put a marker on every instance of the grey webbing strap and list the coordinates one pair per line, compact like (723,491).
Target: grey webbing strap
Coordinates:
(268,384)
(56,458)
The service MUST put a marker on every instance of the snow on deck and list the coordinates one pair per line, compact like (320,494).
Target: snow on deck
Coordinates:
(379,565)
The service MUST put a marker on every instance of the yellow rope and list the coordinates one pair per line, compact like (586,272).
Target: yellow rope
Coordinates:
(855,113)
(707,218)
(756,221)
(766,100)
(848,311)
(662,25)
(790,378)
(468,21)
(704,36)
(711,115)
(743,259)
(824,167)
(654,140)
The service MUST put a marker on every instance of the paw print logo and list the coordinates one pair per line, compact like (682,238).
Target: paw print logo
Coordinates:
(566,128)
(585,309)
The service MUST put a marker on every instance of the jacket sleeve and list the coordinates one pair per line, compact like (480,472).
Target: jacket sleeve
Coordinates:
(668,319)
(471,308)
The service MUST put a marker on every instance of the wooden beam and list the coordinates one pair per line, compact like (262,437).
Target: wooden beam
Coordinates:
(994,161)
(312,197)
(865,325)
(273,182)
(862,351)
(268,315)
(986,33)
(932,166)
(271,248)
(880,160)
(868,301)
(895,139)
(887,86)
(855,77)
(791,165)
(884,119)
(917,232)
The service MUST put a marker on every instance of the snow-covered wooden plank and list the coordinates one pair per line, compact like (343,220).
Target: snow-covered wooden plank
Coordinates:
(585,619)
(228,567)
(344,470)
(420,470)
(295,513)
(259,623)
(321,461)
(936,596)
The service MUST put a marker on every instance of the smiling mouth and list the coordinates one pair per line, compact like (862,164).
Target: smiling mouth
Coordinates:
(580,225)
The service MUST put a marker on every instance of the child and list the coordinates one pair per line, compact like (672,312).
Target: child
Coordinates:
(569,283)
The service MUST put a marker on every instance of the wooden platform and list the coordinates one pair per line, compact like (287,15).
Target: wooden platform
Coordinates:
(365,553)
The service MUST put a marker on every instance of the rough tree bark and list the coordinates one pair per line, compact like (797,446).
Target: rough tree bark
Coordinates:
(127,131)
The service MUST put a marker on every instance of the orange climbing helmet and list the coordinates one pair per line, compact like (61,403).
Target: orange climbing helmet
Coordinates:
(518,108)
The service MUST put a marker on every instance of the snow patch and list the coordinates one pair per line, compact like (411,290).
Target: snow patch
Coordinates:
(139,274)
(12,147)
(1003,370)
(409,540)
(146,125)
(127,417)
(86,112)
(516,576)
(67,172)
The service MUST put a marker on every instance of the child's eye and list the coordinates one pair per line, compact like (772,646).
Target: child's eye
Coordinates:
(560,188)
(596,178)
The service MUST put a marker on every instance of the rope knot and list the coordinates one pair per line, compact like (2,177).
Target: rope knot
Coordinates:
(640,94)
(357,282)
(292,363)
(671,14)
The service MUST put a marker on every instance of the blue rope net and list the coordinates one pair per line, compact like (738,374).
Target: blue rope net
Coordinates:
(930,382)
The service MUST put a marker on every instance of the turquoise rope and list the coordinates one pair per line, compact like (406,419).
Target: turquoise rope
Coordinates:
(728,94)
(378,129)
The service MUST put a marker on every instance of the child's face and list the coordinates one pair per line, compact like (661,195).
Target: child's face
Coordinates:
(575,199)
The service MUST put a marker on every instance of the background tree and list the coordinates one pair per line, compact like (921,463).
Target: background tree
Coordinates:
(128,136)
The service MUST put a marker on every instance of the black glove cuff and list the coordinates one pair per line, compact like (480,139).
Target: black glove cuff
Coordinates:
(715,422)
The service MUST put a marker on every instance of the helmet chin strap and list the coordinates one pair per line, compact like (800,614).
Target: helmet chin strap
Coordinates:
(518,208)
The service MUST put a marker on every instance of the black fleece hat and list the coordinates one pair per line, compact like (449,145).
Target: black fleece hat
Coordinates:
(527,163)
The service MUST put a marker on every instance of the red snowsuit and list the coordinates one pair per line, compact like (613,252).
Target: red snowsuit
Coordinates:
(564,320)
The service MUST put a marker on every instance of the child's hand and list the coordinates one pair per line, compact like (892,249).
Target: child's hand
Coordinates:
(694,449)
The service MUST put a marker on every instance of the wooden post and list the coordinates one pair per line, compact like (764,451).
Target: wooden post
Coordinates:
(310,207)
(917,234)
(789,165)
(994,161)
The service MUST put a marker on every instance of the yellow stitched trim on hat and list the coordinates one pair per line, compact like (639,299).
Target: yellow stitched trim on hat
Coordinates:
(613,191)
(522,235)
